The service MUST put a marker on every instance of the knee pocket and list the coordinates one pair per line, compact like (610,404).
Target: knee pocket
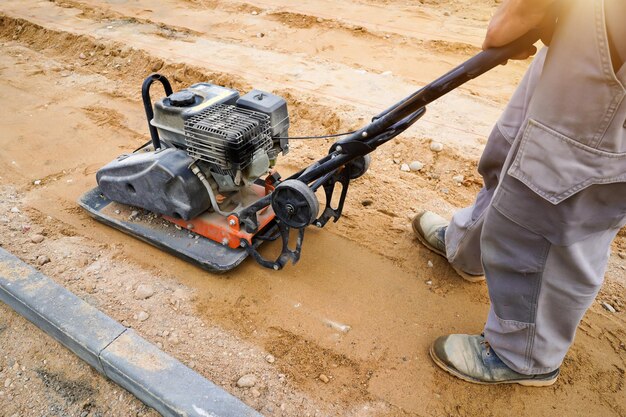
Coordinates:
(513,259)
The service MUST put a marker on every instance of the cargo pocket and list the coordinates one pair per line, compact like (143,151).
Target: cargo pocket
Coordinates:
(562,189)
(557,167)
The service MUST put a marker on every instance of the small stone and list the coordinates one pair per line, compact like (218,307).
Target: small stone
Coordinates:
(622,255)
(608,307)
(255,393)
(405,168)
(429,283)
(82,56)
(446,13)
(324,378)
(117,212)
(144,291)
(260,35)
(37,182)
(247,381)
(15,210)
(254,13)
(387,74)
(436,146)
(42,260)
(173,339)
(458,179)
(37,238)
(7,383)
(133,215)
(270,359)
(430,264)
(143,316)
(416,166)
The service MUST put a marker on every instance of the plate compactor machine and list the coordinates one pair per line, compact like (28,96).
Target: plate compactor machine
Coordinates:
(208,176)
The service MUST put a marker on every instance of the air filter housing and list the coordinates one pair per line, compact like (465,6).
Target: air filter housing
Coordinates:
(227,136)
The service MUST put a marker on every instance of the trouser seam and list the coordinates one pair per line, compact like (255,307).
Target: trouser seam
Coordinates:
(532,332)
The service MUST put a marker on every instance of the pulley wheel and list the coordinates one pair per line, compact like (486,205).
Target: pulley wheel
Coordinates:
(295,204)
(359,166)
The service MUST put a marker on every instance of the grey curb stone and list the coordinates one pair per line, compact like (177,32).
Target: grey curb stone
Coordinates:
(80,327)
(165,384)
(154,377)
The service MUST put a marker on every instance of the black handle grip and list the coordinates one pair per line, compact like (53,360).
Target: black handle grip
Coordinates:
(472,68)
(493,57)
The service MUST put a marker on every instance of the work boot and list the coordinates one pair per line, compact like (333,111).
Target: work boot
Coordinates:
(470,358)
(430,229)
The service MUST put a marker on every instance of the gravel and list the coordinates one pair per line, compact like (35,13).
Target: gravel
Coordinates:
(405,168)
(436,146)
(270,359)
(247,381)
(416,166)
(143,316)
(144,291)
(458,179)
(608,307)
(37,238)
(42,260)
(324,378)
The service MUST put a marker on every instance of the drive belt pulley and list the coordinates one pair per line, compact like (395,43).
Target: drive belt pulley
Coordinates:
(295,204)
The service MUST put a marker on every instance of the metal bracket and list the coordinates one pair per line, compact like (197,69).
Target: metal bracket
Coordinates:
(286,254)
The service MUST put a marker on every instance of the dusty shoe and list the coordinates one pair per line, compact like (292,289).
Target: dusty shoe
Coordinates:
(470,358)
(430,229)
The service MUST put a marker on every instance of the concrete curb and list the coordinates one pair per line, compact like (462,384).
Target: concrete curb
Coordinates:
(118,353)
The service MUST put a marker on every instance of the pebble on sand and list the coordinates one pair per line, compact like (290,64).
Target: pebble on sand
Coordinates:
(15,210)
(405,168)
(608,307)
(416,166)
(324,378)
(143,316)
(247,381)
(37,238)
(436,146)
(144,291)
(270,359)
(42,260)
(458,179)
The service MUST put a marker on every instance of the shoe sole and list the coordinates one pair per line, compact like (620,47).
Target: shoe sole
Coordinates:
(464,275)
(524,382)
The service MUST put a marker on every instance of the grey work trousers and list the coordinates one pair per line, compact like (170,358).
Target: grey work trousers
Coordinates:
(554,198)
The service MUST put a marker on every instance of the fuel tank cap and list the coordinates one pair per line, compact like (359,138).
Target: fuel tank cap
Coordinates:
(182,99)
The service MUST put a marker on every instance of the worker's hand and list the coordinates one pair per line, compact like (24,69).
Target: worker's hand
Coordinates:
(515,18)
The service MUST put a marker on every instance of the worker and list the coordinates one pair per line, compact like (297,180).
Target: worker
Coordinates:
(554,194)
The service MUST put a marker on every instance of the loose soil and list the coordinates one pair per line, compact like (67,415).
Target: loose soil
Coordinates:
(348,328)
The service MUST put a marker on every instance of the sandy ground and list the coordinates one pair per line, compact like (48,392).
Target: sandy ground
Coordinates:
(70,73)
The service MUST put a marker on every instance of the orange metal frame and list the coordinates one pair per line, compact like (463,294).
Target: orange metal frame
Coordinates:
(226,230)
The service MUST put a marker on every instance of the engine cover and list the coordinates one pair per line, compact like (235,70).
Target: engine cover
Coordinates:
(158,181)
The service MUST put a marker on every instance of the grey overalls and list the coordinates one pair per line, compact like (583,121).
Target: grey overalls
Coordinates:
(554,196)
